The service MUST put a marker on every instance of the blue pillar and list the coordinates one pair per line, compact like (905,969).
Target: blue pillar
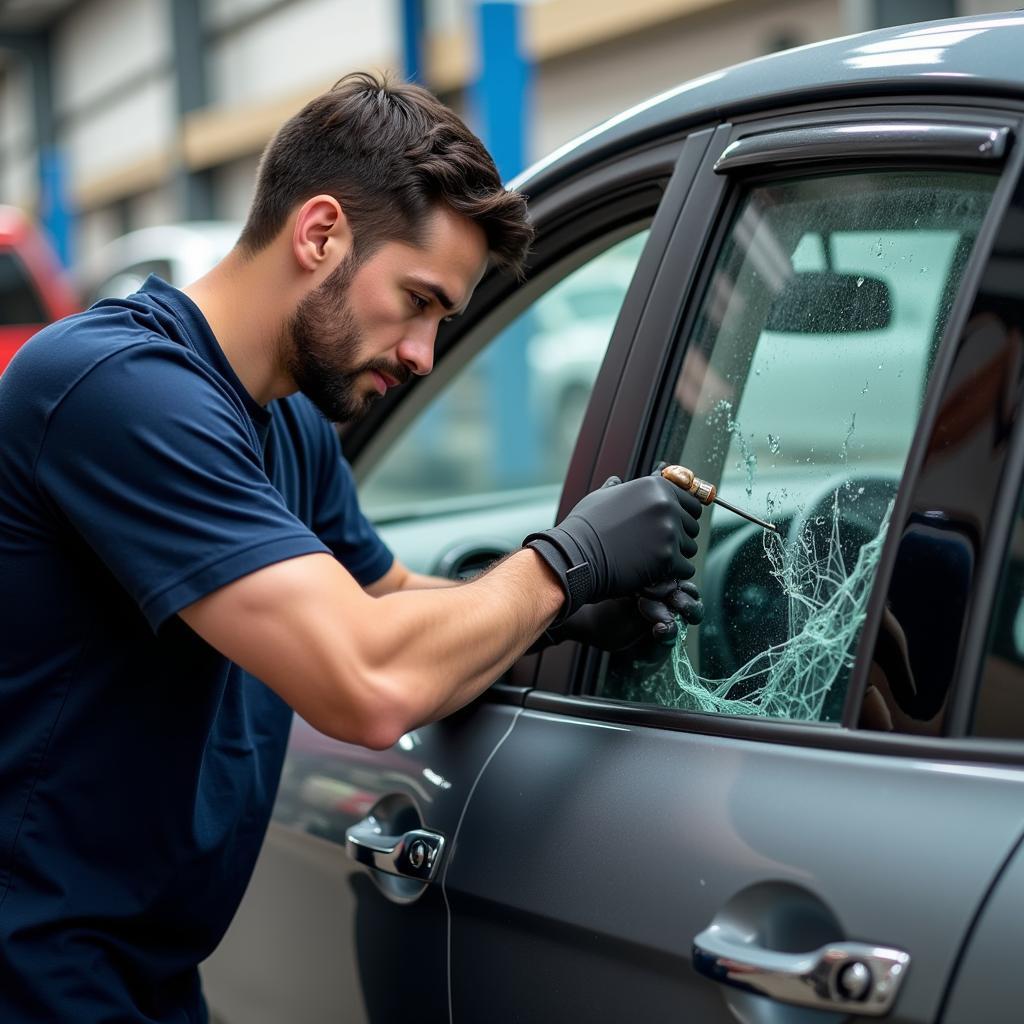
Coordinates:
(55,212)
(501,105)
(413,29)
(502,93)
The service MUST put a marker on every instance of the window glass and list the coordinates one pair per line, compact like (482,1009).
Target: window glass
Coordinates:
(999,707)
(19,303)
(508,420)
(798,397)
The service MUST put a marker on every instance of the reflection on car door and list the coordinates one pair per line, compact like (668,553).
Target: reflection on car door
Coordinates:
(643,818)
(318,937)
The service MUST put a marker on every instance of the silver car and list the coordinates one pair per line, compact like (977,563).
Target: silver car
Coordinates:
(811,809)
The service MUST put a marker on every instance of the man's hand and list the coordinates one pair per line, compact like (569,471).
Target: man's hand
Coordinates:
(620,539)
(623,622)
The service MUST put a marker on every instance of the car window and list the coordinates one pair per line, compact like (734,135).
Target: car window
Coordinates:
(508,420)
(999,705)
(798,397)
(19,302)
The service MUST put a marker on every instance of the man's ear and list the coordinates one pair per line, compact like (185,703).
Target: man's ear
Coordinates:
(321,235)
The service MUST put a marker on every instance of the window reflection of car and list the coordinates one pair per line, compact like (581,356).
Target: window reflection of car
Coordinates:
(569,333)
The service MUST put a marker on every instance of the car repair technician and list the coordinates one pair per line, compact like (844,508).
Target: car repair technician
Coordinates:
(183,560)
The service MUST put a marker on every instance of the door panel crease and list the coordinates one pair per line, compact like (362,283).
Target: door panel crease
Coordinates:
(454,848)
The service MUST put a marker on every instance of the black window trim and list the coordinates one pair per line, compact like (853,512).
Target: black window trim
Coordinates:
(893,138)
(969,298)
(1005,510)
(718,194)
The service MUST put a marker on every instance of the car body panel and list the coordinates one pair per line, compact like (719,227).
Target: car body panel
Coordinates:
(593,853)
(987,973)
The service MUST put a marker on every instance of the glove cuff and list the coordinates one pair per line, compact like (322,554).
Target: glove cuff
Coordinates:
(574,572)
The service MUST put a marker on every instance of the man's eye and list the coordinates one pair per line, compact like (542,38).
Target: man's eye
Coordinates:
(418,301)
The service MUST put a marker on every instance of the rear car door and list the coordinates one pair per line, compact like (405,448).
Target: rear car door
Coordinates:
(789,802)
(992,712)
(454,471)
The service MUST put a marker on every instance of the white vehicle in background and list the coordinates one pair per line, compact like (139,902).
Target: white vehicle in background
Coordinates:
(179,253)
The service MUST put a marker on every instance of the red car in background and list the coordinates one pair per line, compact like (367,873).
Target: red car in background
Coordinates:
(33,289)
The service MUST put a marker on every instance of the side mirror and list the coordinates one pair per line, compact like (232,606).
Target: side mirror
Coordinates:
(826,302)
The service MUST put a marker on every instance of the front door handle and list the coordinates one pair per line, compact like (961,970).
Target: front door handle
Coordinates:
(414,854)
(855,977)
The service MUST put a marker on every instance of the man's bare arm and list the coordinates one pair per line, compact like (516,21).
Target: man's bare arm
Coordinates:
(399,577)
(368,670)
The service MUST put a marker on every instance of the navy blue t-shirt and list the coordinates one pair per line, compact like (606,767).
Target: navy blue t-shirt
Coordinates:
(138,766)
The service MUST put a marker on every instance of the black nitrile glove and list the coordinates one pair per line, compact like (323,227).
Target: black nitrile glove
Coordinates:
(661,604)
(619,539)
(622,622)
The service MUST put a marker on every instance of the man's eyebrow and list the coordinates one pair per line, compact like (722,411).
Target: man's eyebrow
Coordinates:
(437,291)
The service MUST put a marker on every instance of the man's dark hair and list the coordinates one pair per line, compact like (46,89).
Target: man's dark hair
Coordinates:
(390,153)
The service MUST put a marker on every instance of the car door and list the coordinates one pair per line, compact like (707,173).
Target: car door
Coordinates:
(788,801)
(454,471)
(989,713)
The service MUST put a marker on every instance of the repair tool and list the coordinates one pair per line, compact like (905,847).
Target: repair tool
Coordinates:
(707,493)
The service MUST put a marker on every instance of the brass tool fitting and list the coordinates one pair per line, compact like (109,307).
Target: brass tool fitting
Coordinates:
(707,493)
(704,492)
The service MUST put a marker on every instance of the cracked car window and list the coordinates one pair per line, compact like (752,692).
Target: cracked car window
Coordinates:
(800,390)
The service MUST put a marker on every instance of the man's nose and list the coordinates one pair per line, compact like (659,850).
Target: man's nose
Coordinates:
(416,351)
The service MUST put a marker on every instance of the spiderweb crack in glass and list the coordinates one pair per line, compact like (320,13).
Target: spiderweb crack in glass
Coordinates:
(827,604)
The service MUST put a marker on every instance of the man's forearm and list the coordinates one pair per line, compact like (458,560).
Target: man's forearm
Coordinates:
(419,581)
(366,668)
(465,635)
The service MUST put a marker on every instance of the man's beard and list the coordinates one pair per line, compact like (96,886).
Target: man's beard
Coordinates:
(322,342)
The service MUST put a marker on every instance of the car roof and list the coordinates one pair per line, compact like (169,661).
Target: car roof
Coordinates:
(980,55)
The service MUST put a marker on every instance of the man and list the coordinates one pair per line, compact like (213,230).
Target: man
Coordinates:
(177,523)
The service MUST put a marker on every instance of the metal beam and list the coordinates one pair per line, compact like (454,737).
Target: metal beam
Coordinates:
(194,188)
(502,111)
(413,29)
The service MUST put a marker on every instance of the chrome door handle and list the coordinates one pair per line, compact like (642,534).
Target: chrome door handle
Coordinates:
(414,854)
(856,977)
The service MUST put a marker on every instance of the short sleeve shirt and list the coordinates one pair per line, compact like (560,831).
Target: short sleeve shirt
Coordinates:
(138,766)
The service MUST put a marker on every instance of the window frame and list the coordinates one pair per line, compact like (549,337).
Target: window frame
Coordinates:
(1005,508)
(642,399)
